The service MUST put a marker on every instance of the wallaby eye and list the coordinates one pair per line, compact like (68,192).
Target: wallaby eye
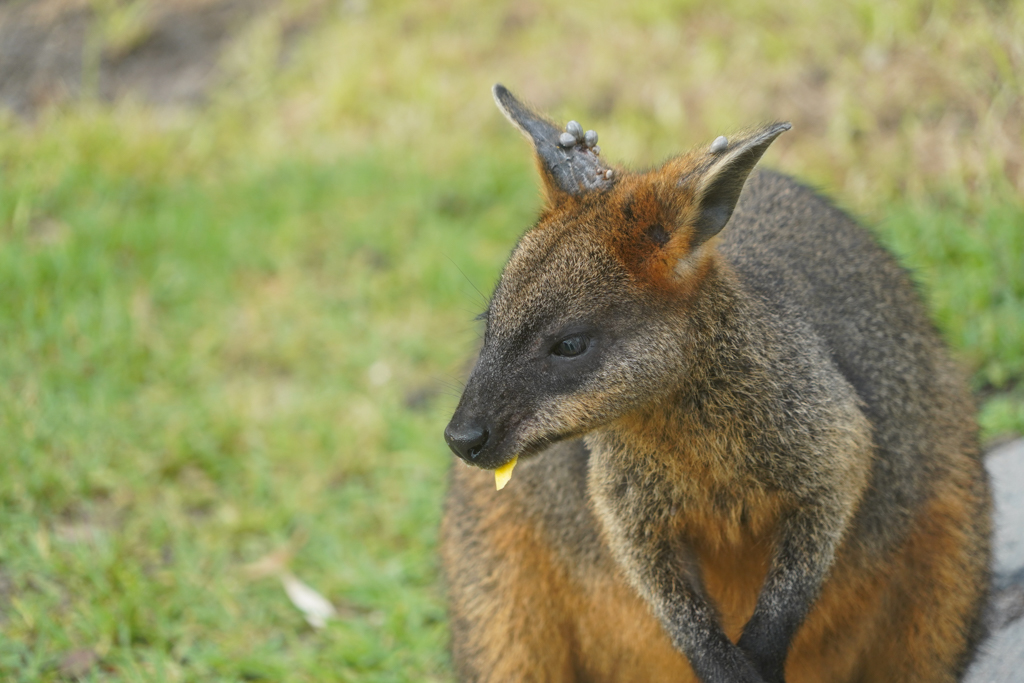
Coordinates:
(571,346)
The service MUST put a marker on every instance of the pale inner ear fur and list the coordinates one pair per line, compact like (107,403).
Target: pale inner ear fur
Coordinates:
(719,187)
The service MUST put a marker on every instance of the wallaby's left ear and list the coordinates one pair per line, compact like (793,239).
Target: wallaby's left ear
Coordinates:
(568,160)
(727,165)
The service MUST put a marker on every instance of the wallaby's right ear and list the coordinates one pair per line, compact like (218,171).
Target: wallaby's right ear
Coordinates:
(568,160)
(717,184)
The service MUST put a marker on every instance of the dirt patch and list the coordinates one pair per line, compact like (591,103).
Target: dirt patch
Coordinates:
(53,51)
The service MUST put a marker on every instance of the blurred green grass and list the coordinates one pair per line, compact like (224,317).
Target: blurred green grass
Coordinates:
(185,385)
(230,327)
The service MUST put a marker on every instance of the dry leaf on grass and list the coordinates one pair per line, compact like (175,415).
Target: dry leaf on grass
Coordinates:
(276,563)
(273,564)
(78,663)
(316,608)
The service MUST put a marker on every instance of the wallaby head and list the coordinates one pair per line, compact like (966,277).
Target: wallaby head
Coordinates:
(591,316)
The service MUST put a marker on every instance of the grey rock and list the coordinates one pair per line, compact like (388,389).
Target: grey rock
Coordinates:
(1006,467)
(1000,659)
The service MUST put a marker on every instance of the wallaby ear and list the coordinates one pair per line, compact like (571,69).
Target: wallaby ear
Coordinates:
(568,159)
(726,167)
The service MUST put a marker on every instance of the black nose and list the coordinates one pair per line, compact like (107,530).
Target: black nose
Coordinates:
(466,441)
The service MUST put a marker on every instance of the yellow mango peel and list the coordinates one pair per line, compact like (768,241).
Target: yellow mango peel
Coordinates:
(503,474)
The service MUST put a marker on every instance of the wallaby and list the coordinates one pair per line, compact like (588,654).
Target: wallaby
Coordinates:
(746,455)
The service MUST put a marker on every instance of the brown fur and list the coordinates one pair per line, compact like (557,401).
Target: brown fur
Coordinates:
(778,468)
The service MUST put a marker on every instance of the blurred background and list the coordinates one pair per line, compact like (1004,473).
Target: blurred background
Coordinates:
(242,245)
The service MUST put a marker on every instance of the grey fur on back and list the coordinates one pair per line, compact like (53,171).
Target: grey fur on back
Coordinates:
(809,261)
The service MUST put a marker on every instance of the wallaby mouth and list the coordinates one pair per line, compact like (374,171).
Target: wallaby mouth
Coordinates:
(468,440)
